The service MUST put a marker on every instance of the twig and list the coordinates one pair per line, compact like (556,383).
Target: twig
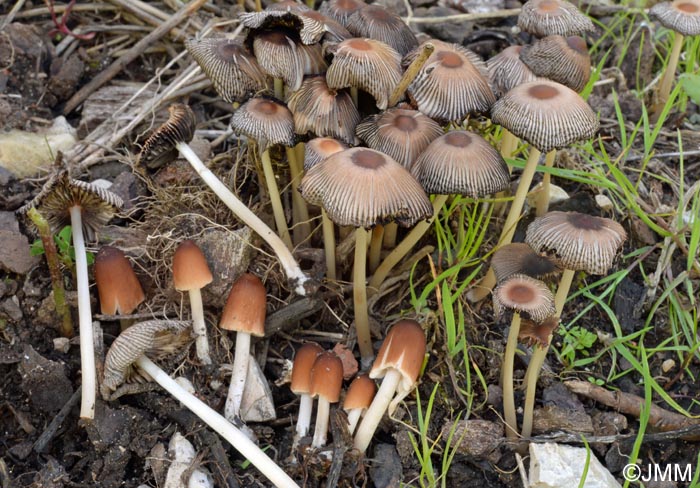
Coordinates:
(59,9)
(11,14)
(498,14)
(685,154)
(48,434)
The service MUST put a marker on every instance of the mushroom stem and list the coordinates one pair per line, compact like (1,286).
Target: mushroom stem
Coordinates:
(376,410)
(508,391)
(199,327)
(306,404)
(509,143)
(291,268)
(669,74)
(87,345)
(232,409)
(219,424)
(375,247)
(329,245)
(353,418)
(542,198)
(359,294)
(275,199)
(410,74)
(321,429)
(390,231)
(302,228)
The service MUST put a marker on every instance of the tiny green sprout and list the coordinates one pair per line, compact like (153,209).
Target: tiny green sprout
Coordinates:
(576,340)
(596,381)
(64,245)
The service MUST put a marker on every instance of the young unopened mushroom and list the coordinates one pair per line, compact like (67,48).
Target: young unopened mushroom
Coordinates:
(553,17)
(304,360)
(119,288)
(358,399)
(561,59)
(398,363)
(244,312)
(191,273)
(326,384)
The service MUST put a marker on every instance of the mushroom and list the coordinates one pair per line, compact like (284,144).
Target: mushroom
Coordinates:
(301,385)
(244,313)
(398,363)
(553,17)
(326,384)
(119,288)
(86,207)
(376,22)
(191,273)
(520,258)
(561,59)
(130,348)
(309,31)
(341,10)
(358,399)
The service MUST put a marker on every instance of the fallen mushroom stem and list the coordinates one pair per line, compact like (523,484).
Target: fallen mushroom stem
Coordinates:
(508,391)
(376,410)
(232,409)
(199,327)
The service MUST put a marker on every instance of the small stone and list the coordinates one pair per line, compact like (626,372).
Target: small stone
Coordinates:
(604,203)
(11,309)
(668,365)
(61,344)
(558,465)
(556,195)
(44,381)
(608,423)
(14,253)
(8,220)
(476,438)
(552,418)
(385,470)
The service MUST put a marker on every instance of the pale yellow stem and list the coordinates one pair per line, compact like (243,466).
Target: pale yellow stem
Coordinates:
(359,294)
(509,143)
(329,245)
(275,200)
(542,198)
(302,227)
(375,247)
(508,390)
(390,231)
(669,75)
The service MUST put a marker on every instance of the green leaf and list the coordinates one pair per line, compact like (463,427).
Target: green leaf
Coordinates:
(37,248)
(691,85)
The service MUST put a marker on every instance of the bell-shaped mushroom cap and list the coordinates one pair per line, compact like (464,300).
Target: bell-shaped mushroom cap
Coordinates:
(369,65)
(288,5)
(524,295)
(546,114)
(159,148)
(452,84)
(341,10)
(320,149)
(309,30)
(362,188)
(400,133)
(233,71)
(323,111)
(119,288)
(246,306)
(682,16)
(327,377)
(578,241)
(461,163)
(304,360)
(376,22)
(549,17)
(360,393)
(277,54)
(403,349)
(312,60)
(520,258)
(561,59)
(335,31)
(265,120)
(190,268)
(532,333)
(507,71)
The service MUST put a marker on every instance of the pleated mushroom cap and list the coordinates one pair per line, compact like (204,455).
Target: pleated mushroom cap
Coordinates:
(341,10)
(553,17)
(507,71)
(523,294)
(322,111)
(532,333)
(452,84)
(546,114)
(461,163)
(335,31)
(190,268)
(360,393)
(561,59)
(376,22)
(309,30)
(362,188)
(233,71)
(320,149)
(265,120)
(246,306)
(117,285)
(578,241)
(327,377)
(520,258)
(159,148)
(400,133)
(403,349)
(369,65)
(277,54)
(682,16)
(301,369)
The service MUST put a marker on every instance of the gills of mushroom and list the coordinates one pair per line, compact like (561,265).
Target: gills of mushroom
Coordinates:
(326,384)
(117,285)
(358,399)
(130,349)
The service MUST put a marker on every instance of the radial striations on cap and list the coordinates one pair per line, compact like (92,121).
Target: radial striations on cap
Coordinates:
(520,258)
(246,306)
(301,369)
(376,22)
(561,59)
(546,114)
(278,55)
(682,16)
(362,188)
(578,241)
(506,71)
(159,148)
(524,295)
(117,285)
(549,17)
(320,149)
(265,120)
(309,30)
(341,10)
(335,31)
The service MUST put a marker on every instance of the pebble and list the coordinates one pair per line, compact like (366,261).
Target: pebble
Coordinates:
(558,465)
(477,438)
(14,253)
(61,344)
(11,309)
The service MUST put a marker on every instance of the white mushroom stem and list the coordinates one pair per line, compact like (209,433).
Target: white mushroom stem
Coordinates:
(87,345)
(199,327)
(329,245)
(232,409)
(240,210)
(376,410)
(306,404)
(353,418)
(219,424)
(359,294)
(323,414)
(508,391)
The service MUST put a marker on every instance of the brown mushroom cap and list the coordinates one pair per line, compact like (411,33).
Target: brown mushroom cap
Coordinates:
(549,17)
(190,268)
(403,349)
(360,393)
(119,288)
(682,16)
(265,120)
(461,163)
(532,333)
(246,306)
(507,71)
(578,241)
(277,54)
(301,370)
(520,258)
(524,295)
(546,114)
(362,187)
(327,377)
(341,10)
(376,22)
(308,30)
(561,59)
(320,149)
(159,148)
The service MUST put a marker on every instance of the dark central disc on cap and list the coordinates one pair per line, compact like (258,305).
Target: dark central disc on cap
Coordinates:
(549,6)
(347,5)
(359,44)
(449,59)
(368,159)
(377,13)
(227,50)
(584,221)
(543,92)
(458,139)
(521,294)
(405,123)
(577,44)
(688,7)
(328,145)
(266,107)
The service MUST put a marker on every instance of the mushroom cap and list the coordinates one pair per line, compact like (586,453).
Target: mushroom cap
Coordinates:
(119,288)
(549,17)
(362,187)
(462,163)
(322,111)
(308,29)
(360,393)
(278,55)
(520,258)
(507,71)
(233,71)
(159,148)
(369,65)
(265,120)
(533,333)
(682,16)
(546,114)
(561,59)
(403,349)
(327,377)
(335,31)
(301,370)
(400,133)
(190,268)
(524,295)
(246,306)
(320,149)
(377,22)
(578,241)
(341,10)
(453,83)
